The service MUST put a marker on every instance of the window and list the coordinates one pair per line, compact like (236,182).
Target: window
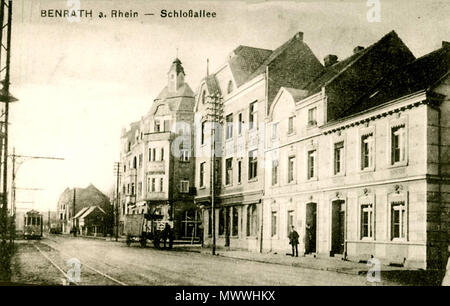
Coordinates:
(234,221)
(202,174)
(338,157)
(148,184)
(275,132)
(124,168)
(252,164)
(274,171)
(311,164)
(139,188)
(240,124)
(291,168)
(134,162)
(128,188)
(204,96)
(230,87)
(132,189)
(229,126)
(239,172)
(221,221)
(162,154)
(274,223)
(229,171)
(397,144)
(398,220)
(251,220)
(253,116)
(140,160)
(184,186)
(161,184)
(203,132)
(312,116)
(149,154)
(184,155)
(366,221)
(157,126)
(291,125)
(153,184)
(367,151)
(290,221)
(154,154)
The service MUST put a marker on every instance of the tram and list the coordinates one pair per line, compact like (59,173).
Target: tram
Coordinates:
(32,225)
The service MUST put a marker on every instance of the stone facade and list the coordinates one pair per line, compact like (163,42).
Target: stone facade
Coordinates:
(374,183)
(157,165)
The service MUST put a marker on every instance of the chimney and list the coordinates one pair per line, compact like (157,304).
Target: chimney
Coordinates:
(357,49)
(299,36)
(445,44)
(330,59)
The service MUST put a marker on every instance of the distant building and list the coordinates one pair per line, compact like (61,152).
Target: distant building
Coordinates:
(157,164)
(84,197)
(90,221)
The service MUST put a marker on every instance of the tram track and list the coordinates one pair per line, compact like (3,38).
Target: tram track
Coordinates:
(82,264)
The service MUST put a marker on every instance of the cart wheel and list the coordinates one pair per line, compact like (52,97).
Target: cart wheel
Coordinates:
(128,241)
(143,242)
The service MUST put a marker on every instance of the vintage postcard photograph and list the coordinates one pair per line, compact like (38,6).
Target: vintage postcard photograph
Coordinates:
(251,144)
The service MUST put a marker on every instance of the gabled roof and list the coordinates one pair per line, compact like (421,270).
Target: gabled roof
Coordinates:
(297,94)
(87,211)
(245,60)
(81,212)
(418,75)
(334,71)
(277,52)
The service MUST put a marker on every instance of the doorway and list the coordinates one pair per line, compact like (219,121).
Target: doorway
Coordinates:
(337,227)
(311,228)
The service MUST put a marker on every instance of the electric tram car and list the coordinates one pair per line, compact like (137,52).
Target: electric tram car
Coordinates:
(32,225)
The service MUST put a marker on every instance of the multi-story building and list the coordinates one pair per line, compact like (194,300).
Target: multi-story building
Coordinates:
(247,84)
(358,160)
(157,165)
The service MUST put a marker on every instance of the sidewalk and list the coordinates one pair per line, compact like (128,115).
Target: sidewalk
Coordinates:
(389,275)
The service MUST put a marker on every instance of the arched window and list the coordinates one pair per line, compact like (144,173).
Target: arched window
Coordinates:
(204,96)
(230,86)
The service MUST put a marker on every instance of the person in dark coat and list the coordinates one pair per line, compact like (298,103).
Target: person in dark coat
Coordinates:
(293,241)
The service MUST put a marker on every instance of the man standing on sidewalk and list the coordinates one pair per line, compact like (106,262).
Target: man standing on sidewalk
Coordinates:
(293,240)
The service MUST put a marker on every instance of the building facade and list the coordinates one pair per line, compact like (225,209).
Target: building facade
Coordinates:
(246,83)
(157,164)
(358,160)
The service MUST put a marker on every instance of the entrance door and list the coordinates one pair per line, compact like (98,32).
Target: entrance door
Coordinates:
(337,227)
(311,228)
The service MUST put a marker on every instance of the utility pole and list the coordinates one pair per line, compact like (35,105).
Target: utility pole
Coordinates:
(116,206)
(215,117)
(74,228)
(17,161)
(6,98)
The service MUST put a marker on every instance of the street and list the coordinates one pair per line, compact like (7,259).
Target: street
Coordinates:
(48,262)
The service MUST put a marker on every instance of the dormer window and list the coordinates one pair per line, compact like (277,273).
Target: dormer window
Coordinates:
(312,116)
(157,126)
(230,87)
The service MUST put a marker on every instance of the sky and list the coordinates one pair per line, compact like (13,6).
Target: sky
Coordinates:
(80,83)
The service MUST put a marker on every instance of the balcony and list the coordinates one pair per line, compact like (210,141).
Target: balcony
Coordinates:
(155,136)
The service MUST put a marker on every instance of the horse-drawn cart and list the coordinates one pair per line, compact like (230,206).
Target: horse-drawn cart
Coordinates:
(143,227)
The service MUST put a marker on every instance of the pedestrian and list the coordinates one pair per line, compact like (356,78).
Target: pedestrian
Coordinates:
(293,241)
